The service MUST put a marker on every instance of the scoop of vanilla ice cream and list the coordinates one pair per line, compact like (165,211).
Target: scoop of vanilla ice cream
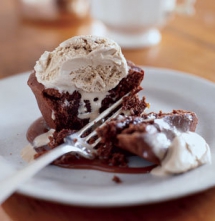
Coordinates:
(88,63)
(187,151)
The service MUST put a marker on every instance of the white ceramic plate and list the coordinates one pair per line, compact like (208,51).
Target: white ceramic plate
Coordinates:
(164,89)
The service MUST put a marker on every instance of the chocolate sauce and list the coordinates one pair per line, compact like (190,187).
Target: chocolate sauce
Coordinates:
(39,127)
(98,165)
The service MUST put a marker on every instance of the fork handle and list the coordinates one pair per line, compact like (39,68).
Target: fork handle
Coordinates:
(10,184)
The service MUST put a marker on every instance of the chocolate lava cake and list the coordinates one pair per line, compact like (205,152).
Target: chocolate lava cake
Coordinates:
(80,79)
(65,106)
(121,137)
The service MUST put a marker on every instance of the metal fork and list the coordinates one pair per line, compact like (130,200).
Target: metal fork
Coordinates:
(73,143)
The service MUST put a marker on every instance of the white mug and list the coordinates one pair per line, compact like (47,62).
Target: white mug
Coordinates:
(134,23)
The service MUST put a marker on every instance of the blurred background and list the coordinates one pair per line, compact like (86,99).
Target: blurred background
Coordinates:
(174,34)
(159,33)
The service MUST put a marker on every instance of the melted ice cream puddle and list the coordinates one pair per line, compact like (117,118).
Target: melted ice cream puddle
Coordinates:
(28,151)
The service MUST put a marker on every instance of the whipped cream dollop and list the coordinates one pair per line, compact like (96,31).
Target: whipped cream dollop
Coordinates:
(187,151)
(87,63)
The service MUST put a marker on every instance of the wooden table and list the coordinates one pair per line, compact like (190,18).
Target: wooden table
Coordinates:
(188,44)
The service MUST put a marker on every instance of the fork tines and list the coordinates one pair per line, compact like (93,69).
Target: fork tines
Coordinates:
(105,116)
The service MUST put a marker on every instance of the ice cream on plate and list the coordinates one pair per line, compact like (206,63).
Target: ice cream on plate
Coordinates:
(81,78)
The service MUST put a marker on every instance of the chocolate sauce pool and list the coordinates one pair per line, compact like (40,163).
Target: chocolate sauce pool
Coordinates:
(39,127)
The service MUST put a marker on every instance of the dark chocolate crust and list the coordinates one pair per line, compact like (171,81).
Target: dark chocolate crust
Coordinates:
(66,116)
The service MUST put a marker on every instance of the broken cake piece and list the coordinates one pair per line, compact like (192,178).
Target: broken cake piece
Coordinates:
(165,139)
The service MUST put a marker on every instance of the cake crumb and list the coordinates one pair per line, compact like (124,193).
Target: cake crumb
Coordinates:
(116,179)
